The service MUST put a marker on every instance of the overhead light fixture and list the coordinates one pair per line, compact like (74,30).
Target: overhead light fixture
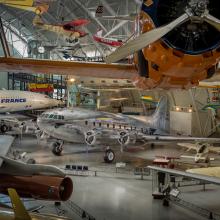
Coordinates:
(177,109)
(41,49)
(72,80)
(190,110)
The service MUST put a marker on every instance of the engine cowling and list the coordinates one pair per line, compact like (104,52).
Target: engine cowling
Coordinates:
(190,38)
(38,187)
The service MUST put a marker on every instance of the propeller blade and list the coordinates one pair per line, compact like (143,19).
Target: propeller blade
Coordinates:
(144,40)
(215,22)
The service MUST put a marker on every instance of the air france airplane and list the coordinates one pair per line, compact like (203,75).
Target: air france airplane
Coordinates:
(15,101)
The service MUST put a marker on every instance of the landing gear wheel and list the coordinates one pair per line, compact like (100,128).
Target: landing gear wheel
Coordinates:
(4,128)
(57,148)
(109,156)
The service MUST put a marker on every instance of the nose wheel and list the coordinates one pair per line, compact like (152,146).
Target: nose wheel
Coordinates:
(4,128)
(109,156)
(57,148)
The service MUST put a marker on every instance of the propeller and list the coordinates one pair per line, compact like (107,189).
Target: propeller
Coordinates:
(144,40)
(151,36)
(215,22)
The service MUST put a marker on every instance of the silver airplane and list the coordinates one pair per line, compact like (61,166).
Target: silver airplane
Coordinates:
(77,125)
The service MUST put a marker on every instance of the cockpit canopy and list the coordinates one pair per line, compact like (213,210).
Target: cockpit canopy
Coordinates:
(52,116)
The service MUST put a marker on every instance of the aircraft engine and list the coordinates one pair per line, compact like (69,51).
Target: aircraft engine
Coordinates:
(90,137)
(192,37)
(38,187)
(124,138)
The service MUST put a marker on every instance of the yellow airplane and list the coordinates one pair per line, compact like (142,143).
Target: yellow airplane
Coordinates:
(27,5)
(20,213)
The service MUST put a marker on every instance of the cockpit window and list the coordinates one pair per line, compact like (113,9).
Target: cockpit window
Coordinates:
(55,116)
(60,117)
(50,116)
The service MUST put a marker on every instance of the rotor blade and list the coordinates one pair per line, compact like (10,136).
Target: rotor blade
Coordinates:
(144,40)
(215,22)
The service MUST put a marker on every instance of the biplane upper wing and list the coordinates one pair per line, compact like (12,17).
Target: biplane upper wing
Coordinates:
(18,2)
(99,70)
(78,22)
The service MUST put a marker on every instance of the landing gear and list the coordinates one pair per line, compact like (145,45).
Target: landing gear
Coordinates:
(4,128)
(109,156)
(57,148)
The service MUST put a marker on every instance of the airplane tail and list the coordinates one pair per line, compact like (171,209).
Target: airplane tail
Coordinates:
(99,33)
(160,119)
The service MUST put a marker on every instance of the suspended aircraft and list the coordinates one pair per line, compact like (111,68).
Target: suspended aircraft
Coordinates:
(19,211)
(107,41)
(79,125)
(28,5)
(202,151)
(172,51)
(68,30)
(32,180)
(15,101)
(179,44)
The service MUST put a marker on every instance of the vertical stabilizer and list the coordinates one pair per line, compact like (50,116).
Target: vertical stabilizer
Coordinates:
(20,212)
(160,119)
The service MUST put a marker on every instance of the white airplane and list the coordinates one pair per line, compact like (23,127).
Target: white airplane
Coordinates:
(202,151)
(15,101)
(95,127)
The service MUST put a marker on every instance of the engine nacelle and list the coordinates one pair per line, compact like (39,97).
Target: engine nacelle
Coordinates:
(38,187)
(90,137)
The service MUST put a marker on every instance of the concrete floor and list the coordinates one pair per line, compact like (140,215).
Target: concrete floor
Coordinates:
(118,197)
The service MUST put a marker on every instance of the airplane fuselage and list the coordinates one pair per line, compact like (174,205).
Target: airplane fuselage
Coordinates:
(13,100)
(71,125)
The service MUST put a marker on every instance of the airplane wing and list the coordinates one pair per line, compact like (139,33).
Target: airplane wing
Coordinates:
(82,69)
(196,176)
(178,138)
(214,149)
(209,171)
(19,210)
(189,146)
(78,22)
(5,144)
(18,2)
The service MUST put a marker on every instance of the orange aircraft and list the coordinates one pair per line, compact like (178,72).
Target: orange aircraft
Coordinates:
(179,47)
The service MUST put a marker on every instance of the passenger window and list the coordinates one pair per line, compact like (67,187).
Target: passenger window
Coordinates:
(50,116)
(55,116)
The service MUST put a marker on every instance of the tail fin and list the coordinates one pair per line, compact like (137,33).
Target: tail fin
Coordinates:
(99,33)
(37,20)
(161,116)
(19,210)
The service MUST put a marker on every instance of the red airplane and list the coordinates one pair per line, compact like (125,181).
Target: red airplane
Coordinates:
(108,41)
(68,30)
